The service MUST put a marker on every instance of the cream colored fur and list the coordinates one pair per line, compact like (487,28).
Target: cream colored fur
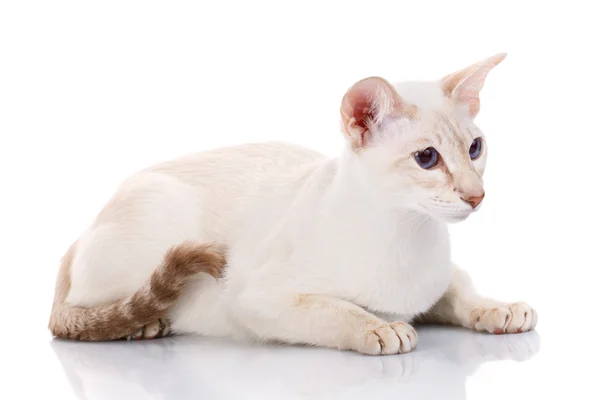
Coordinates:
(341,252)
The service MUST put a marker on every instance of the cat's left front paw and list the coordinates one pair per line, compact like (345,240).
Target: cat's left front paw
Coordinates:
(514,318)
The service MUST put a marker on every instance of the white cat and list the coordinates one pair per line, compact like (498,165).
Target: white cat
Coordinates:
(342,252)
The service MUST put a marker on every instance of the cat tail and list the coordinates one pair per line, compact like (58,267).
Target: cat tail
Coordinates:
(122,318)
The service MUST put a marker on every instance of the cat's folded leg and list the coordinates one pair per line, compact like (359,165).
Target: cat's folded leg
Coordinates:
(329,322)
(462,306)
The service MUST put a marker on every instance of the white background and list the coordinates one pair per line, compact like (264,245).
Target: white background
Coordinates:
(90,92)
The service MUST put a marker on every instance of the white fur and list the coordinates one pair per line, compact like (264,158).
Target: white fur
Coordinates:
(320,251)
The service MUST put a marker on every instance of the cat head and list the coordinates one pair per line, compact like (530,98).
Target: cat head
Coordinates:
(417,141)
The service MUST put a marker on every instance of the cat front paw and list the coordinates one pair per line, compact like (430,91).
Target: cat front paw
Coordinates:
(514,318)
(394,338)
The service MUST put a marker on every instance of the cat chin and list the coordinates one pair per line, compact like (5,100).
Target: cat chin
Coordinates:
(452,219)
(447,216)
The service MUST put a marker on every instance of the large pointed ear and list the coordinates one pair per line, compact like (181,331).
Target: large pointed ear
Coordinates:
(464,86)
(366,105)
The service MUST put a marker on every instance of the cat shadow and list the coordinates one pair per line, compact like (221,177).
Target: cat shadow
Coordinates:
(194,367)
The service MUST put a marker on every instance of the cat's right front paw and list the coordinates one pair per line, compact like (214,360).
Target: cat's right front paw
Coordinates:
(394,338)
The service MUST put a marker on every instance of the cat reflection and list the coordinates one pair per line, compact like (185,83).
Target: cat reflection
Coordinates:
(192,368)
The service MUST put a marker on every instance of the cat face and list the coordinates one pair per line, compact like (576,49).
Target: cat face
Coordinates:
(418,142)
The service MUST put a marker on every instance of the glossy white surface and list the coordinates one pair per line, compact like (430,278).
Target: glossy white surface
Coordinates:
(449,363)
(182,368)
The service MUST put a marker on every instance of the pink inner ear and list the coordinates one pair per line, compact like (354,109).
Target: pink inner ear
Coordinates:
(366,104)
(361,110)
(368,100)
(470,98)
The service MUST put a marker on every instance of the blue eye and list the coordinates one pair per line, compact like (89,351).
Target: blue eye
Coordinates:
(475,149)
(427,158)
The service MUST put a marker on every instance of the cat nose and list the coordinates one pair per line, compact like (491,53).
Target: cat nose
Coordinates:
(474,201)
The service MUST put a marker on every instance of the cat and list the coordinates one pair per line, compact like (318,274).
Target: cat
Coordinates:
(272,242)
